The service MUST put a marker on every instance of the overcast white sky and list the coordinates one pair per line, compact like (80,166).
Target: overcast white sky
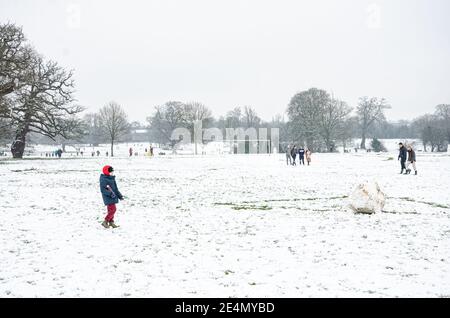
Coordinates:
(244,52)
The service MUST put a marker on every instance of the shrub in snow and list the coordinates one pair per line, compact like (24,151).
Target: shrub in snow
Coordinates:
(377,145)
(367,198)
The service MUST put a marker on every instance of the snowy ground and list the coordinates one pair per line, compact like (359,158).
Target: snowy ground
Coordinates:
(219,226)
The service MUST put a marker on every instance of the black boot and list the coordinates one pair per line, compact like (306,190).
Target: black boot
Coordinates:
(401,171)
(113,225)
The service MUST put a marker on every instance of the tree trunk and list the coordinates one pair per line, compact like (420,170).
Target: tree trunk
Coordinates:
(18,146)
(112,148)
(363,140)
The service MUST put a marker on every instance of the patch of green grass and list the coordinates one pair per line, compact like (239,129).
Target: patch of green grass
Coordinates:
(251,207)
(437,205)
(299,199)
(329,198)
(433,204)
(394,212)
(255,205)
(24,170)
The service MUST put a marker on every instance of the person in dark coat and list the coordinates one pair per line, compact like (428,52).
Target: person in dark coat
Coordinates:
(294,155)
(301,156)
(402,157)
(411,161)
(110,194)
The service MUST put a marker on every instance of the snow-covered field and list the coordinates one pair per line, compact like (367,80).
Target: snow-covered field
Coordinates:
(219,226)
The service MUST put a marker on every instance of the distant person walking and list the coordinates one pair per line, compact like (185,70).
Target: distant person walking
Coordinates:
(294,155)
(110,194)
(411,161)
(402,157)
(288,155)
(308,156)
(301,156)
(131,151)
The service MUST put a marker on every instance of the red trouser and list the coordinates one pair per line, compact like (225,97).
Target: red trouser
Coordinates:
(111,210)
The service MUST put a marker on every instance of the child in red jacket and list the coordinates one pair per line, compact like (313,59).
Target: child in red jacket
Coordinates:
(110,194)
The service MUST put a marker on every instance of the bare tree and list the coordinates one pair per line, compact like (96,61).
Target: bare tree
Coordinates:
(93,129)
(195,112)
(167,118)
(346,131)
(251,118)
(370,110)
(331,121)
(114,123)
(15,58)
(304,111)
(44,105)
(234,118)
(432,132)
(443,112)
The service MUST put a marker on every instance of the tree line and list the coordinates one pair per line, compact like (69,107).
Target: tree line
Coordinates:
(315,119)
(37,99)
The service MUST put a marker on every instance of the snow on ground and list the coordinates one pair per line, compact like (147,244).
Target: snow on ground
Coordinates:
(219,226)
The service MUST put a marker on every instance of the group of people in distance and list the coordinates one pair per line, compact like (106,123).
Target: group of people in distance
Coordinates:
(147,152)
(291,154)
(411,160)
(57,153)
(407,157)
